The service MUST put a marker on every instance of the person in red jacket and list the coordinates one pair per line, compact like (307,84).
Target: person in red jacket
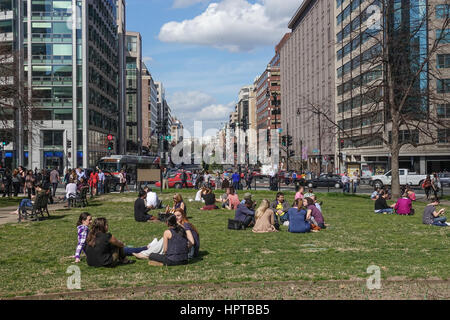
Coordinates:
(93,182)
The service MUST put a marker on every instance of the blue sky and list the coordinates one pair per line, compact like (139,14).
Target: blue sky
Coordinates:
(204,51)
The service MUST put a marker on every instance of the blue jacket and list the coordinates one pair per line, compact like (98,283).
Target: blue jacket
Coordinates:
(297,222)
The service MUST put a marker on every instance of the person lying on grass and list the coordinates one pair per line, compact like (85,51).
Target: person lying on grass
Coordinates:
(433,217)
(84,221)
(175,246)
(381,205)
(264,218)
(104,250)
(313,214)
(296,216)
(210,200)
(177,203)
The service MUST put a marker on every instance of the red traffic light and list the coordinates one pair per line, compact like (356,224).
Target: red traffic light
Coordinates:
(110,137)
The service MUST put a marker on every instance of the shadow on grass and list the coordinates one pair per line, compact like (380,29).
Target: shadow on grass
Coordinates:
(201,254)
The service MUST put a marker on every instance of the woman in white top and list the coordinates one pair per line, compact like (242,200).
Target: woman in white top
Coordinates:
(71,191)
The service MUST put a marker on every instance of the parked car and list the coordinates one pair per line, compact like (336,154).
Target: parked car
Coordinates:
(325,180)
(406,178)
(175,180)
(445,179)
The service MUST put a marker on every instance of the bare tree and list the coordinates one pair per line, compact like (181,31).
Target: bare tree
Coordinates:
(393,100)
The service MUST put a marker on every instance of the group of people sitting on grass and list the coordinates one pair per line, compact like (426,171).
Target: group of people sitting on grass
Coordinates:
(403,206)
(303,216)
(179,244)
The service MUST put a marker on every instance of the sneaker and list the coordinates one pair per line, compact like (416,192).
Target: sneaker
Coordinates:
(448,224)
(286,224)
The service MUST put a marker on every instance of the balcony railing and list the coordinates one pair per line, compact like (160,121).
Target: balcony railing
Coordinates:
(52,16)
(51,59)
(49,81)
(6,15)
(51,37)
(49,102)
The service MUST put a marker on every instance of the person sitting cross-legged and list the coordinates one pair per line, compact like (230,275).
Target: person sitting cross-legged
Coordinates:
(381,205)
(280,206)
(245,213)
(175,246)
(404,205)
(297,217)
(140,209)
(431,216)
(264,218)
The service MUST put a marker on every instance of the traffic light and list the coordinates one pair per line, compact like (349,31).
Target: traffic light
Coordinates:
(342,144)
(289,141)
(291,153)
(284,141)
(110,146)
(69,144)
(4,143)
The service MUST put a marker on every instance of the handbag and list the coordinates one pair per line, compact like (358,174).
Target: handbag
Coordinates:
(235,225)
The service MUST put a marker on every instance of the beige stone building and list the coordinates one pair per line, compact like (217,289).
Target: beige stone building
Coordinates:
(307,64)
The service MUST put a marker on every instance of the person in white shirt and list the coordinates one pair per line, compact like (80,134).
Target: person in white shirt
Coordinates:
(71,191)
(346,182)
(152,200)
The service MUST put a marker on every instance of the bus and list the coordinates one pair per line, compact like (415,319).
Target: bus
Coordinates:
(113,164)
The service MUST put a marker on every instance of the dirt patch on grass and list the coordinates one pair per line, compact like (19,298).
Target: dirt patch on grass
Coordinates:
(285,290)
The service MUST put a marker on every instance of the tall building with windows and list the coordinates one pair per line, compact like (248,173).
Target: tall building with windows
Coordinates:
(359,45)
(149,112)
(307,63)
(70,67)
(134,65)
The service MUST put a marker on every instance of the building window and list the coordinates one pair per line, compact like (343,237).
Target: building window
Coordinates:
(443,85)
(442,11)
(443,61)
(444,136)
(445,34)
(53,138)
(406,136)
(443,110)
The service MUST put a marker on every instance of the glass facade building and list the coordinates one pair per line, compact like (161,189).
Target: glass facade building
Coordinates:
(70,69)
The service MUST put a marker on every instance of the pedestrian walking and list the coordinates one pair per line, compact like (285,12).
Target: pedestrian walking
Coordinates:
(30,183)
(54,180)
(426,186)
(101,181)
(355,180)
(122,181)
(7,183)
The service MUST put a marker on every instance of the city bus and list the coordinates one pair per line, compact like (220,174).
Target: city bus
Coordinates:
(113,164)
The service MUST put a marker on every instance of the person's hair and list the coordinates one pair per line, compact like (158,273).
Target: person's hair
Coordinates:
(178,197)
(310,190)
(142,193)
(279,194)
(434,199)
(208,190)
(30,172)
(248,202)
(15,172)
(265,204)
(172,223)
(184,219)
(231,190)
(99,226)
(405,194)
(83,217)
(310,201)
(298,188)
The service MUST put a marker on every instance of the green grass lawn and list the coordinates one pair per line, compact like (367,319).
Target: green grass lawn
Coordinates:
(35,256)
(10,202)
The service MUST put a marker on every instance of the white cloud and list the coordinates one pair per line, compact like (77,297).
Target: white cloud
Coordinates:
(147,60)
(234,25)
(191,101)
(215,112)
(178,4)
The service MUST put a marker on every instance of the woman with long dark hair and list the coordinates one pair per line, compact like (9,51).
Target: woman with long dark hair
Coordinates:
(191,233)
(104,250)
(29,183)
(84,221)
(175,247)
(297,218)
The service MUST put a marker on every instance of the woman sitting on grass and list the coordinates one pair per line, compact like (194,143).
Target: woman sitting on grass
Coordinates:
(265,220)
(104,250)
(232,199)
(84,221)
(191,233)
(210,200)
(175,246)
(299,193)
(313,214)
(297,218)
(404,205)
(178,203)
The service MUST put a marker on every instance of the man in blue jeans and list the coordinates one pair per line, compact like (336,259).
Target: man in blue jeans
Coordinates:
(431,216)
(381,205)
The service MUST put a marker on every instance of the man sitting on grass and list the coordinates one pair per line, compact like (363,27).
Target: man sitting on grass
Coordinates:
(381,205)
(432,217)
(246,213)
(152,200)
(140,209)
(280,207)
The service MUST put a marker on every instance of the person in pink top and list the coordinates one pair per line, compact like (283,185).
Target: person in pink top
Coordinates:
(233,200)
(300,193)
(411,194)
(403,205)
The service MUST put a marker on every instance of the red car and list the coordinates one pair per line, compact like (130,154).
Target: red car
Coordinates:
(175,181)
